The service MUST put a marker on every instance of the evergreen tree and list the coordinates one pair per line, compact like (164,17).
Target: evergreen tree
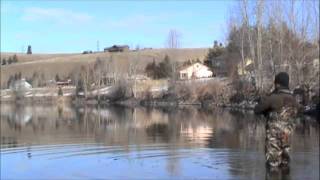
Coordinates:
(57,78)
(14,59)
(162,70)
(215,44)
(213,54)
(4,61)
(151,69)
(10,81)
(29,50)
(165,68)
(9,60)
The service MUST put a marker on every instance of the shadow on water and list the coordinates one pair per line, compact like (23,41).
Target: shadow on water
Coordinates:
(146,142)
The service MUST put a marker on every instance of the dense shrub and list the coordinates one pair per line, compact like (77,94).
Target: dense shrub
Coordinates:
(161,70)
(122,90)
(198,92)
(237,98)
(11,60)
(79,87)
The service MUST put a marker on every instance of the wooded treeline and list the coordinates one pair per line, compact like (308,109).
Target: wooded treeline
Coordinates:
(276,36)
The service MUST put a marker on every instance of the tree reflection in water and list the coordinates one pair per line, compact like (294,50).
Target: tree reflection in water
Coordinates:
(230,141)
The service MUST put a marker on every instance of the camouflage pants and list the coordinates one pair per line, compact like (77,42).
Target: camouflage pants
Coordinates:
(277,145)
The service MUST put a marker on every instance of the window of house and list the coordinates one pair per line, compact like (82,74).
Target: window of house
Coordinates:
(183,75)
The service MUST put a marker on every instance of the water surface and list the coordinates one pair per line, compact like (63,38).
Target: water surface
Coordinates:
(47,142)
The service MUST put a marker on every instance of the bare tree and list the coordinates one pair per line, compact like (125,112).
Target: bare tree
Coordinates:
(133,66)
(85,79)
(98,74)
(173,42)
(246,24)
(259,11)
(284,37)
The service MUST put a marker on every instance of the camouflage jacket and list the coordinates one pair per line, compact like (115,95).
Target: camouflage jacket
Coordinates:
(276,102)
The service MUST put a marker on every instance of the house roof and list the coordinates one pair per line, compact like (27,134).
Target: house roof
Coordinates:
(117,46)
(22,83)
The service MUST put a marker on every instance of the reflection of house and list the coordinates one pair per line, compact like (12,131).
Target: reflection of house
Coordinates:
(21,84)
(117,48)
(199,134)
(196,70)
(246,68)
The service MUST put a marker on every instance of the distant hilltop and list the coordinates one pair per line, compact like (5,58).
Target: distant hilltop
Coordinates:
(117,48)
(63,64)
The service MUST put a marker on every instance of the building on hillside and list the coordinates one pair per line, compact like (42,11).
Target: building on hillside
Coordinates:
(64,83)
(87,52)
(20,85)
(117,48)
(195,71)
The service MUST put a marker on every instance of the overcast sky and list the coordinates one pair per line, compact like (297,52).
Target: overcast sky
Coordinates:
(73,26)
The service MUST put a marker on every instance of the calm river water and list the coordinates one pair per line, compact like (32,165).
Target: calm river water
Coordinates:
(45,142)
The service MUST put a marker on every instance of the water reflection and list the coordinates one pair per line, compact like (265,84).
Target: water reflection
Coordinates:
(162,143)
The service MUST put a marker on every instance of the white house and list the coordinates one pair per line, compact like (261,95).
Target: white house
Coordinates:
(196,71)
(20,85)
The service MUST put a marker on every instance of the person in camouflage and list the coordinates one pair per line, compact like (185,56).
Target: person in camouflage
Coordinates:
(280,108)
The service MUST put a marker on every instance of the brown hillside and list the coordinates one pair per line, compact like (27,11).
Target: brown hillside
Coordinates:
(22,57)
(63,64)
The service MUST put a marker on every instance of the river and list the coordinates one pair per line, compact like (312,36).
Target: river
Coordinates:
(49,142)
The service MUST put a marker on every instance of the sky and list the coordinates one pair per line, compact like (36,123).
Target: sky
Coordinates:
(72,26)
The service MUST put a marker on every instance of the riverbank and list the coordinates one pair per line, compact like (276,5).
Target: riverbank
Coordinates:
(60,101)
(215,92)
(53,100)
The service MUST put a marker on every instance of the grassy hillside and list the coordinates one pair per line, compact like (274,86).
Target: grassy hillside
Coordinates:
(34,57)
(63,64)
